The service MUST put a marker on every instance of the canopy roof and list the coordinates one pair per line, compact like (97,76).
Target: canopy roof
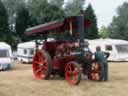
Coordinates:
(55,26)
(43,28)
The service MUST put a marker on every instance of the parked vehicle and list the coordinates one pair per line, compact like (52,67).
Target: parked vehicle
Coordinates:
(25,51)
(65,57)
(118,49)
(6,57)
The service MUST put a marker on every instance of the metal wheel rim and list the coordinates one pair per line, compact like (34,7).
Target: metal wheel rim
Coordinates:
(96,73)
(39,65)
(71,73)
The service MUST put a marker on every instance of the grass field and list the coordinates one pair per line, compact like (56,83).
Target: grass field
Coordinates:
(21,82)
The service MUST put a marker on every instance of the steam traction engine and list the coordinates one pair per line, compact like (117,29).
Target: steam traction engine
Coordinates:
(64,57)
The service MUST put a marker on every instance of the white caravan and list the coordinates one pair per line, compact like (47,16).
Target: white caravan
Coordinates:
(118,49)
(6,58)
(25,51)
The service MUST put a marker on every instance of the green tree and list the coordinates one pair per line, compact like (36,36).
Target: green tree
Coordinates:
(22,22)
(104,32)
(92,31)
(4,28)
(58,3)
(73,7)
(11,6)
(44,11)
(119,26)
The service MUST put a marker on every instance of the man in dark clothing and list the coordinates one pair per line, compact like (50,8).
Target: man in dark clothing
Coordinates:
(101,57)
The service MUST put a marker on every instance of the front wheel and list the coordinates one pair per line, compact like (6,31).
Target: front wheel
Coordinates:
(73,73)
(96,73)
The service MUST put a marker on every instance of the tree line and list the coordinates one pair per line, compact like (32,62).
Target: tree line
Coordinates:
(118,28)
(17,15)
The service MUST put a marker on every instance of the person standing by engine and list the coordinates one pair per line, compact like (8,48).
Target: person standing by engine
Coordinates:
(101,57)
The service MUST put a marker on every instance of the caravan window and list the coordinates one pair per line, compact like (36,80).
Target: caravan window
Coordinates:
(25,51)
(31,51)
(122,48)
(4,53)
(108,48)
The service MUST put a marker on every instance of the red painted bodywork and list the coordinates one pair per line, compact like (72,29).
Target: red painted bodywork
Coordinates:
(60,52)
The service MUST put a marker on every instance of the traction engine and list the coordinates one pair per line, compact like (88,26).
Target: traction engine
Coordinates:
(67,58)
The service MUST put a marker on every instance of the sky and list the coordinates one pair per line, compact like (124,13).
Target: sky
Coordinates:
(105,10)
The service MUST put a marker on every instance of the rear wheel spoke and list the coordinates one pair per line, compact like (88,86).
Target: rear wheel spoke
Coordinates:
(37,62)
(69,70)
(74,73)
(40,57)
(44,68)
(38,70)
(43,61)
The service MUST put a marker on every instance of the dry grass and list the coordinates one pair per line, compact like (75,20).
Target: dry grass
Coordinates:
(21,82)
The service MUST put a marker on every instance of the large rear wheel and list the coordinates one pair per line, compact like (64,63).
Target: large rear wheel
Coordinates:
(73,73)
(42,65)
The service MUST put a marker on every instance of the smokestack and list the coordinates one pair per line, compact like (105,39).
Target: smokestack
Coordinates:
(80,20)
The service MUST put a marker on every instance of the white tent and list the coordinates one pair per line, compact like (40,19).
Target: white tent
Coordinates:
(118,49)
(6,57)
